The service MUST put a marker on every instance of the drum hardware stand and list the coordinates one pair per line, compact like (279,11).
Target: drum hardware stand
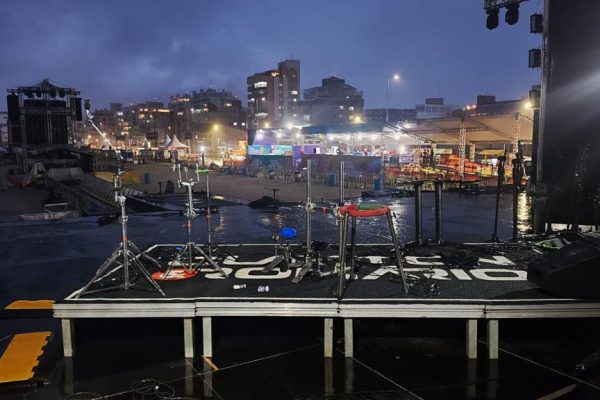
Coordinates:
(517,164)
(191,248)
(501,162)
(438,211)
(310,260)
(127,255)
(283,251)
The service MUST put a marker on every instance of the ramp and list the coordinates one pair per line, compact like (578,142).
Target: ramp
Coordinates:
(22,355)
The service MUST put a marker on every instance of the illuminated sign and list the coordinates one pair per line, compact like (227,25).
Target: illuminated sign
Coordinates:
(270,150)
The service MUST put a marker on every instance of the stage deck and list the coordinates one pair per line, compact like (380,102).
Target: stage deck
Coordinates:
(466,281)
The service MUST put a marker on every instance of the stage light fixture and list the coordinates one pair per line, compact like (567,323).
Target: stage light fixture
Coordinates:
(512,14)
(492,19)
(536,23)
(535,58)
(535,95)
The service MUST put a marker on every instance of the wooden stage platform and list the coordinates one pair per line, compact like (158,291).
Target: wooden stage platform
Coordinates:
(483,281)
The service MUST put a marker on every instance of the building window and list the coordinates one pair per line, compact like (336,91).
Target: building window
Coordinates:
(260,84)
(341,107)
(294,92)
(243,124)
(351,108)
(235,124)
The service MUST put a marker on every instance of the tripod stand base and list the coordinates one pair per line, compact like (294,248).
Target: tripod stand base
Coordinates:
(190,251)
(124,257)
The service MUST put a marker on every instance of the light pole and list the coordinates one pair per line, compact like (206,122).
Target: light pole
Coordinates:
(395,77)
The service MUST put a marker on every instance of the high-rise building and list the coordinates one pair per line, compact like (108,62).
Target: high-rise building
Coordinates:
(274,96)
(334,102)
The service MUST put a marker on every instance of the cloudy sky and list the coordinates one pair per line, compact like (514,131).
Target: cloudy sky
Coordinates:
(130,51)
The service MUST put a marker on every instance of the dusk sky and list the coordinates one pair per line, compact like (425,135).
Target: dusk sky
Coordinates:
(132,51)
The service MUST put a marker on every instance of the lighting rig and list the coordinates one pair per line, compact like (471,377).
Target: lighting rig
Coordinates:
(492,8)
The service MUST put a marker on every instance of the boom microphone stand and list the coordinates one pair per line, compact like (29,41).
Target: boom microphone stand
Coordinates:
(191,249)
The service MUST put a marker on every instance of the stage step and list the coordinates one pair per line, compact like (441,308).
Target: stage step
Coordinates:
(22,356)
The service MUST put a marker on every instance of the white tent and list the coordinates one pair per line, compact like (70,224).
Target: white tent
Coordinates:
(176,144)
(166,143)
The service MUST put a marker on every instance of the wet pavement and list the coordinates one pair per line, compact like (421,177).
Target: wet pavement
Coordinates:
(277,358)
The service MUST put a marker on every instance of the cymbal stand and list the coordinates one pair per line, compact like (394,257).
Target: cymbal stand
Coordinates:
(127,255)
(309,207)
(191,249)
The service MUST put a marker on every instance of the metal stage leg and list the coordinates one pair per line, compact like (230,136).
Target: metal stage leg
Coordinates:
(207,337)
(188,337)
(399,257)
(349,376)
(492,336)
(207,379)
(472,339)
(348,338)
(328,337)
(328,378)
(189,378)
(68,337)
(69,377)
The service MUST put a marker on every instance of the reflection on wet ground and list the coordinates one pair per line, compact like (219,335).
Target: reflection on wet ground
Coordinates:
(277,358)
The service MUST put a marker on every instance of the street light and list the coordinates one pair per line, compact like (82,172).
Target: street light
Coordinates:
(396,78)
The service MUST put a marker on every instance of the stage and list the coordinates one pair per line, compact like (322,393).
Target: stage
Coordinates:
(478,281)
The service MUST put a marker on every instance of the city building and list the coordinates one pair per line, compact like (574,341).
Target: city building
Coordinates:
(274,96)
(112,123)
(197,112)
(487,104)
(334,102)
(42,114)
(3,129)
(150,121)
(434,107)
(395,115)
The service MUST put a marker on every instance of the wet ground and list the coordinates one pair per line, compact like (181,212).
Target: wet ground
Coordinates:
(275,358)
